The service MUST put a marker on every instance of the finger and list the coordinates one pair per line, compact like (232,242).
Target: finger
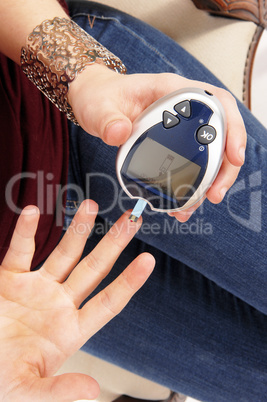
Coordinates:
(224,180)
(63,388)
(68,252)
(116,131)
(22,246)
(108,122)
(236,132)
(94,267)
(184,215)
(236,138)
(110,301)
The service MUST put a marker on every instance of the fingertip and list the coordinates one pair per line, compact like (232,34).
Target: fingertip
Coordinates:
(124,228)
(182,216)
(236,143)
(236,156)
(146,263)
(28,220)
(89,207)
(30,210)
(149,261)
(117,132)
(131,221)
(215,196)
(129,213)
(139,270)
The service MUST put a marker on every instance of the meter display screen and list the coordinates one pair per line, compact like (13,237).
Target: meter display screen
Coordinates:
(157,166)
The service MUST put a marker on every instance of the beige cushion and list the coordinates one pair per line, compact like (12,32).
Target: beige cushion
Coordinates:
(219,43)
(113,380)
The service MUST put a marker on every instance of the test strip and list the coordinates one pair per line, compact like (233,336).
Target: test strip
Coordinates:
(138,210)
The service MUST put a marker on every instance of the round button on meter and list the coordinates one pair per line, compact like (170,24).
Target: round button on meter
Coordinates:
(162,163)
(206,135)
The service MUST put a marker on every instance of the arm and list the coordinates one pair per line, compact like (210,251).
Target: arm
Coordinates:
(19,18)
(123,98)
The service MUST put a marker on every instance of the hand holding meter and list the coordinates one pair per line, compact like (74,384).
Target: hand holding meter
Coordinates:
(175,151)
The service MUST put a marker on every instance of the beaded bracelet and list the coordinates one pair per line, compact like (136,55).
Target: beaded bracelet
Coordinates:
(56,51)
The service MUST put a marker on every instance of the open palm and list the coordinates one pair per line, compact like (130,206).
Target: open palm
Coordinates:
(41,324)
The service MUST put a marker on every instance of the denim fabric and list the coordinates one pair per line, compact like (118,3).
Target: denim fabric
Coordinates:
(199,324)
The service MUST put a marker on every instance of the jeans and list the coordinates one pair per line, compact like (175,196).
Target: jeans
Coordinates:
(199,325)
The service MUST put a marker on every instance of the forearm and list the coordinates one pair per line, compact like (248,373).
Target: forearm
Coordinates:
(19,18)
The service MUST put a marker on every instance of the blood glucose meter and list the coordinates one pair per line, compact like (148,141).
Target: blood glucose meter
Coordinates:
(175,150)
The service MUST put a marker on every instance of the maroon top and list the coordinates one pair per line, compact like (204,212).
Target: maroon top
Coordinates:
(34,158)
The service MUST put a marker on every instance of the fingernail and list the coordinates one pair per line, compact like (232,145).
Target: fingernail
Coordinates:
(30,210)
(117,132)
(112,124)
(242,154)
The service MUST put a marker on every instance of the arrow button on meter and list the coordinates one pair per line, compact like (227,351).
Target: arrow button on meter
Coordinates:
(169,120)
(183,108)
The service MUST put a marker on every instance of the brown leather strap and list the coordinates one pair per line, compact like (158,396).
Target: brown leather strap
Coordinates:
(247,82)
(249,10)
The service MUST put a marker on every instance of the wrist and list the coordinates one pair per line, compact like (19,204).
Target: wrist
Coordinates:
(94,76)
(56,52)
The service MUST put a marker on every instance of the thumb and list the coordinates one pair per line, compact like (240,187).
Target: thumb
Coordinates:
(97,100)
(108,122)
(117,130)
(64,388)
